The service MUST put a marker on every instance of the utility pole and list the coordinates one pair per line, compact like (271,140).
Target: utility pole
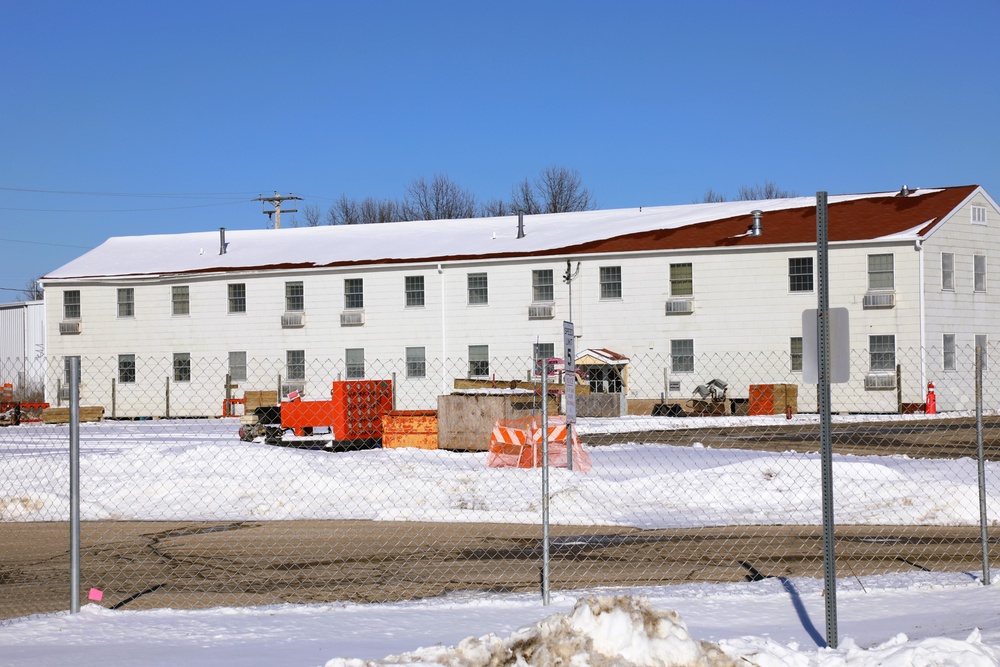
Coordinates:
(275,201)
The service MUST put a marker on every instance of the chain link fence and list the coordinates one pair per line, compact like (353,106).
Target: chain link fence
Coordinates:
(240,481)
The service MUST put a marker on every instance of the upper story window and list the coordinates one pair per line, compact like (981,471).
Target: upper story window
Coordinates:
(978,215)
(354,293)
(611,282)
(800,274)
(479,360)
(295,297)
(478,286)
(71,304)
(979,272)
(681,280)
(414,286)
(237,297)
(542,289)
(948,271)
(126,302)
(180,300)
(880,272)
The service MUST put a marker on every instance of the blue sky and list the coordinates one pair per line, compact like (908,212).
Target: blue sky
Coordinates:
(213,103)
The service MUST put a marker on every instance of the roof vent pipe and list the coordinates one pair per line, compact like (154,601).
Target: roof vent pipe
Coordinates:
(905,192)
(222,240)
(756,228)
(520,224)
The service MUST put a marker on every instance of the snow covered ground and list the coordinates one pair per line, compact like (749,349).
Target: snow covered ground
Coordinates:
(200,470)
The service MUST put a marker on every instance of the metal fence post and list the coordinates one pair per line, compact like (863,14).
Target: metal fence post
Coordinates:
(545,481)
(982,466)
(74,484)
(167,398)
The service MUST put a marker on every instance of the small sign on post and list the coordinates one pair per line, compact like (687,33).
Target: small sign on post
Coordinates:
(569,367)
(840,346)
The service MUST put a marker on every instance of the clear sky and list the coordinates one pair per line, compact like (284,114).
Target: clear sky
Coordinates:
(212,103)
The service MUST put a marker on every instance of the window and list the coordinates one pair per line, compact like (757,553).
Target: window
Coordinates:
(237,298)
(238,366)
(126,368)
(979,270)
(982,346)
(478,285)
(295,297)
(880,272)
(416,362)
(180,300)
(882,354)
(354,358)
(182,367)
(682,355)
(66,361)
(126,302)
(795,351)
(800,274)
(611,282)
(948,352)
(479,361)
(540,352)
(354,293)
(295,365)
(948,271)
(978,215)
(542,290)
(71,304)
(681,280)
(414,286)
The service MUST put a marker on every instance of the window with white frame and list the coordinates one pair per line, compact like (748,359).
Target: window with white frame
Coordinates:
(982,343)
(682,355)
(948,271)
(354,293)
(479,361)
(948,361)
(180,300)
(978,215)
(880,272)
(795,352)
(540,352)
(71,304)
(295,365)
(478,286)
(800,274)
(126,302)
(238,366)
(882,354)
(416,362)
(681,280)
(237,297)
(611,282)
(414,286)
(295,297)
(182,367)
(126,368)
(354,363)
(542,286)
(979,272)
(66,362)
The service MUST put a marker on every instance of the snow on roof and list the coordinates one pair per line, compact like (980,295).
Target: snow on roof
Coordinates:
(645,228)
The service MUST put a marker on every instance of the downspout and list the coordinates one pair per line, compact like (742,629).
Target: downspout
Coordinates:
(923,318)
(444,355)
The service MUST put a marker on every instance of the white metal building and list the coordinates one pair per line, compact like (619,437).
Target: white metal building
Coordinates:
(22,348)
(440,299)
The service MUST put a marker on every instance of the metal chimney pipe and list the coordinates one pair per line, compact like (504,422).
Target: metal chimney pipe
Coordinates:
(520,224)
(222,240)
(756,228)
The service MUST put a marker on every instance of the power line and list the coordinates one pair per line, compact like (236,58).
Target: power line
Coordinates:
(166,195)
(58,245)
(118,210)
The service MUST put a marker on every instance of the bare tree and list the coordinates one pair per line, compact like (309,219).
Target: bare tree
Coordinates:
(312,215)
(523,198)
(344,211)
(496,208)
(440,199)
(32,291)
(561,190)
(769,190)
(713,197)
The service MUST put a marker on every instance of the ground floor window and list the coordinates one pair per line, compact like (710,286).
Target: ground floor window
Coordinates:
(416,362)
(182,367)
(479,361)
(682,355)
(354,361)
(126,368)
(882,354)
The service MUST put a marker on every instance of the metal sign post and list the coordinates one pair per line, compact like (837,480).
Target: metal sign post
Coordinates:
(74,484)
(545,481)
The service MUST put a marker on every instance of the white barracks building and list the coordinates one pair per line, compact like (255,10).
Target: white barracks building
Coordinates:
(663,287)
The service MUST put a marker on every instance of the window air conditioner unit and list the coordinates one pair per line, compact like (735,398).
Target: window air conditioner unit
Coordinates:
(352,318)
(879,300)
(71,327)
(880,381)
(63,394)
(293,320)
(679,306)
(540,311)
